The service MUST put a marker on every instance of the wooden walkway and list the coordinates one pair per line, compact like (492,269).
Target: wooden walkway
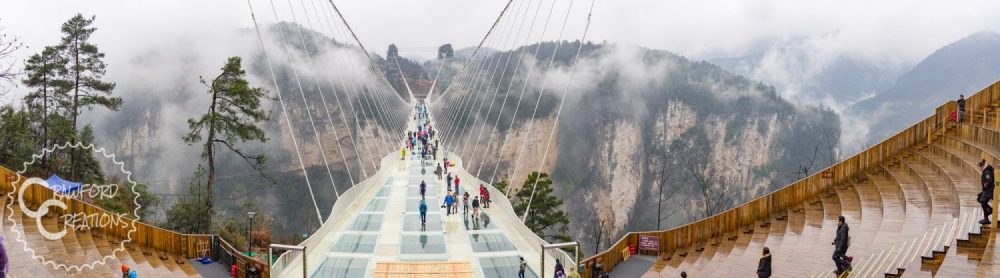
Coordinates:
(423,269)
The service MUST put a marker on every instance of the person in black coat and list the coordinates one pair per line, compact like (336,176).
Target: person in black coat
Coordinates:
(987,179)
(840,246)
(764,266)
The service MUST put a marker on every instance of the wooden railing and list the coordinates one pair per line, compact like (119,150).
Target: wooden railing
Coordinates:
(185,246)
(762,208)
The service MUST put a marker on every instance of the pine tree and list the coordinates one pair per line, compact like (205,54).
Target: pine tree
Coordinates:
(232,118)
(16,140)
(43,73)
(86,68)
(546,209)
(85,72)
(88,167)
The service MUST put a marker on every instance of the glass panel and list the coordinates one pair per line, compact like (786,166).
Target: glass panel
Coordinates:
(355,244)
(366,222)
(484,223)
(498,267)
(490,242)
(411,223)
(341,267)
(422,244)
(376,205)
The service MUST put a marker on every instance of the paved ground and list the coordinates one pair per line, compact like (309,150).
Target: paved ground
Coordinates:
(635,266)
(213,270)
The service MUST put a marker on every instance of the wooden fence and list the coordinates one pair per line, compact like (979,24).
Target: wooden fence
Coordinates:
(762,208)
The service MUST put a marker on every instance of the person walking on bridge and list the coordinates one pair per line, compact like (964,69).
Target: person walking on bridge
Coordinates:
(486,198)
(559,272)
(448,180)
(475,208)
(448,202)
(456,182)
(465,203)
(439,171)
(841,243)
(988,180)
(423,212)
(523,265)
(423,190)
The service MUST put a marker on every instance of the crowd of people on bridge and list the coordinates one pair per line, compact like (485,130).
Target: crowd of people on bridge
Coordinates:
(421,142)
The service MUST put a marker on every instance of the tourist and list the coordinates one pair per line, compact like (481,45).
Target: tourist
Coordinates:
(403,157)
(684,274)
(125,271)
(465,203)
(987,180)
(559,272)
(841,243)
(764,266)
(448,180)
(523,266)
(448,202)
(961,108)
(438,171)
(475,208)
(486,198)
(423,212)
(456,182)
(132,274)
(455,204)
(423,190)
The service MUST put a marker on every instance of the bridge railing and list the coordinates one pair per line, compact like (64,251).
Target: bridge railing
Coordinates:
(337,215)
(762,208)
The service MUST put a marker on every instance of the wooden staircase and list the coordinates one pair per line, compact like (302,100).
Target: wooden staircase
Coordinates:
(80,247)
(913,215)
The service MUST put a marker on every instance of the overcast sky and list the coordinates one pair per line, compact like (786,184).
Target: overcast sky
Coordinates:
(890,31)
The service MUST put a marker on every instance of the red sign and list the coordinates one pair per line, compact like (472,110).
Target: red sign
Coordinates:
(631,249)
(649,243)
(827,175)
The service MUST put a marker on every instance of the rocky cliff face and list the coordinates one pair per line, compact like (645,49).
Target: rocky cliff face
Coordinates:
(634,117)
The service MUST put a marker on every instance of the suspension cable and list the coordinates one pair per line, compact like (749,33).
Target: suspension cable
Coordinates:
(284,112)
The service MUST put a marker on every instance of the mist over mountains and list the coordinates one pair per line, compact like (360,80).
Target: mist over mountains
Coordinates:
(629,111)
(963,67)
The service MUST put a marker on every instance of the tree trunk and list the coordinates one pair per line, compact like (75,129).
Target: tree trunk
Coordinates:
(45,122)
(76,102)
(208,187)
(210,153)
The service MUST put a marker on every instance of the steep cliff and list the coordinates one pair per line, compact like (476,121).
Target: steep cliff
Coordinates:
(632,117)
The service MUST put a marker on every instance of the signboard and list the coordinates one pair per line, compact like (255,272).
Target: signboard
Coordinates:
(649,243)
(827,175)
